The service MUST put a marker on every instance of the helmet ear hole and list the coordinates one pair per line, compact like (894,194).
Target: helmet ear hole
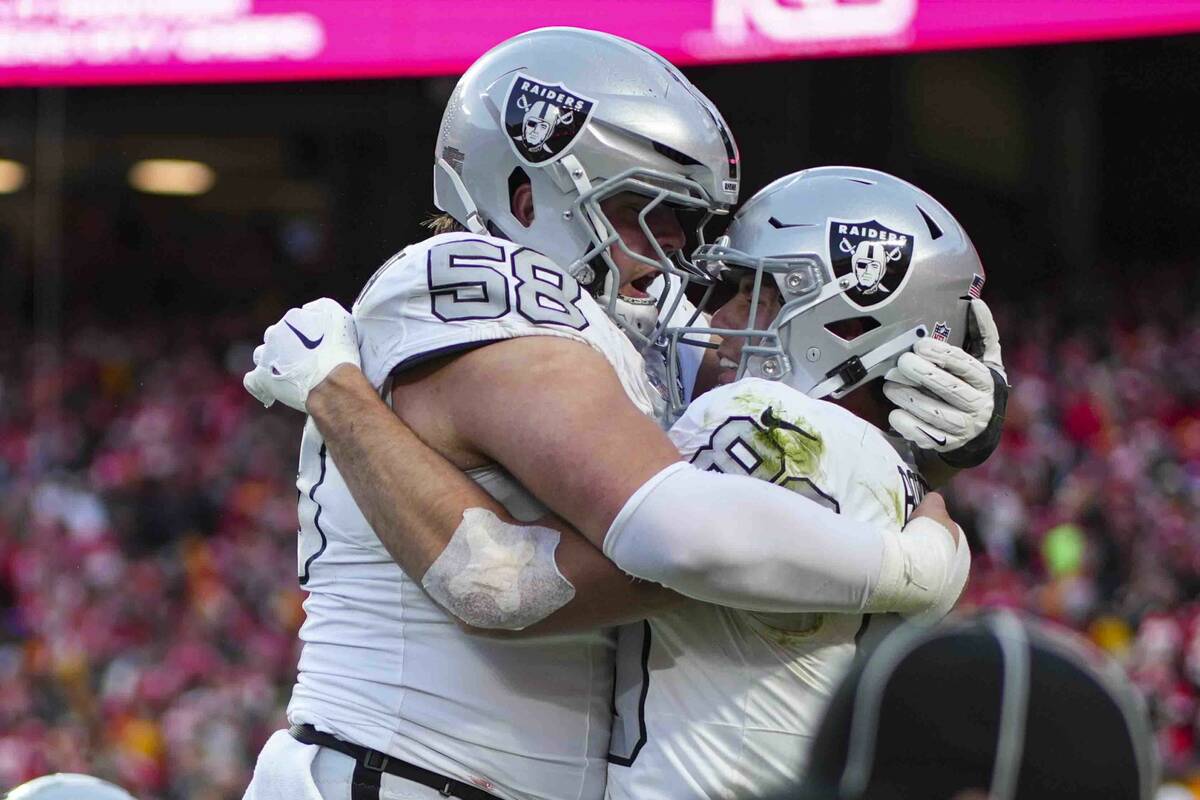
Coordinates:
(850,329)
(516,179)
(520,193)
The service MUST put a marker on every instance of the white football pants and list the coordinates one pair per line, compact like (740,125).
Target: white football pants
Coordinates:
(289,770)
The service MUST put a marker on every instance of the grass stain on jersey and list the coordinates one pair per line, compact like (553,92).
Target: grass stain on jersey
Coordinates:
(788,630)
(787,444)
(751,403)
(890,499)
(801,450)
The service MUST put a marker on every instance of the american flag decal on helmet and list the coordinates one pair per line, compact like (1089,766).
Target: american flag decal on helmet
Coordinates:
(976,286)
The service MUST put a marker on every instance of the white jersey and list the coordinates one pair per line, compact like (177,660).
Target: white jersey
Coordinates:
(720,703)
(382,665)
(689,357)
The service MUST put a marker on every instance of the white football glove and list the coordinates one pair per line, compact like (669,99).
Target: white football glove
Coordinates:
(299,351)
(948,400)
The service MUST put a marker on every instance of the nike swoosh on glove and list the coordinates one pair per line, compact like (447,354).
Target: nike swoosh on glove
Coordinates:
(948,400)
(299,351)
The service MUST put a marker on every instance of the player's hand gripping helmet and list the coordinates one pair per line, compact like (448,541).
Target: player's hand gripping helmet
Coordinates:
(865,264)
(68,786)
(584,116)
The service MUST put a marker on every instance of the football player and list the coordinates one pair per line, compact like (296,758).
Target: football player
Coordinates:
(718,702)
(499,359)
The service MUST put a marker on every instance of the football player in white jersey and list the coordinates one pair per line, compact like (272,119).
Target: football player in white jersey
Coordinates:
(722,703)
(387,683)
(673,737)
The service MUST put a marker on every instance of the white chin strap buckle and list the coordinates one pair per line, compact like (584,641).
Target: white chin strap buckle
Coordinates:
(852,372)
(473,221)
(637,313)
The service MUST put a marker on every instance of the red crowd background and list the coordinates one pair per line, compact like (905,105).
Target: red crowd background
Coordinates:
(148,598)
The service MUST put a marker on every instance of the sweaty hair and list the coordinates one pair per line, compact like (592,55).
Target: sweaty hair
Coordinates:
(442,223)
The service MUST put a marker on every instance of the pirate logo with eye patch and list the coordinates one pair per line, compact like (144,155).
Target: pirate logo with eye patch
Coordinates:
(543,119)
(875,256)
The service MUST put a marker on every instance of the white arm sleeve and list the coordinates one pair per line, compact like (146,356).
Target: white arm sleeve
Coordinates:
(745,543)
(742,542)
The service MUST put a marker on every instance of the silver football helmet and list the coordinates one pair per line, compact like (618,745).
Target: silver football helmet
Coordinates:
(68,786)
(865,264)
(584,116)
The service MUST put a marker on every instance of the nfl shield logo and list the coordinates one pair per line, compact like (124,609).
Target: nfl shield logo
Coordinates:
(941,331)
(543,119)
(874,255)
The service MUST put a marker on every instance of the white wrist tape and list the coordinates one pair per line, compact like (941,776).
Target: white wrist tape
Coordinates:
(956,581)
(494,574)
(920,571)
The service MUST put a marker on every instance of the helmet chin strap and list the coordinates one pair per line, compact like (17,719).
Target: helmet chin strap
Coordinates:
(638,313)
(837,384)
(472,220)
(581,270)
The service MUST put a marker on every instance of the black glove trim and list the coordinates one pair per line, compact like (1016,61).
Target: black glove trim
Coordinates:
(977,451)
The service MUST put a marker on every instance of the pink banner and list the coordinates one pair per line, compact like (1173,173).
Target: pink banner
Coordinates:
(65,42)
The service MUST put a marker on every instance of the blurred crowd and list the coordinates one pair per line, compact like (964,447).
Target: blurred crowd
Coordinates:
(1089,514)
(148,600)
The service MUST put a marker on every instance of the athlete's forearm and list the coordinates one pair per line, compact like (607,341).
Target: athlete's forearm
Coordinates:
(936,472)
(745,543)
(604,595)
(415,501)
(412,496)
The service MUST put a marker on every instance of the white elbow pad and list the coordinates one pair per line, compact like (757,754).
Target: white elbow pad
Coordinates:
(494,574)
(923,571)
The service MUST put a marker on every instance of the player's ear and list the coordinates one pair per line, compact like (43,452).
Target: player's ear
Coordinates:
(522,203)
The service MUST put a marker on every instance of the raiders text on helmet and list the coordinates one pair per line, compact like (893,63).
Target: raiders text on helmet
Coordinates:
(582,116)
(543,121)
(876,256)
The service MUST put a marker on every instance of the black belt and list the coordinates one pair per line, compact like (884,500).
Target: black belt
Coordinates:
(369,766)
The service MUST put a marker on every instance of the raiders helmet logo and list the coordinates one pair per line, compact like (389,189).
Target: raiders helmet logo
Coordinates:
(875,256)
(543,119)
